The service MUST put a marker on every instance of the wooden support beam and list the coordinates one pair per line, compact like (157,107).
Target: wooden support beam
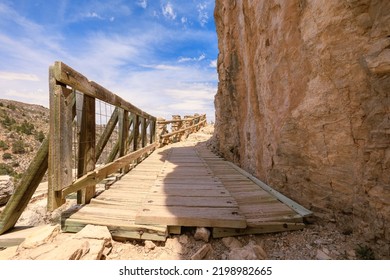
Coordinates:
(136,132)
(289,202)
(23,193)
(144,132)
(113,153)
(106,133)
(152,131)
(60,141)
(87,156)
(263,228)
(123,135)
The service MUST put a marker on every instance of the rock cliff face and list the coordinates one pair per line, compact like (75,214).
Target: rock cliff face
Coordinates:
(303,103)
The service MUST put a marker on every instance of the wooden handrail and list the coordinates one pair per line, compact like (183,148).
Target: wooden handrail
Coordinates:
(183,129)
(99,174)
(181,120)
(68,76)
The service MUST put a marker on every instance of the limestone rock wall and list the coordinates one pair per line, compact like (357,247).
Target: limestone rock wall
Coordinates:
(303,103)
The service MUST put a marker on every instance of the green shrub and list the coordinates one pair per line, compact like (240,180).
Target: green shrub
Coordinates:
(11,106)
(3,145)
(40,136)
(26,128)
(18,147)
(7,122)
(365,253)
(1,104)
(5,169)
(7,156)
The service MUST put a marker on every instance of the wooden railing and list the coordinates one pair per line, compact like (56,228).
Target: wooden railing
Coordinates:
(93,133)
(74,111)
(180,128)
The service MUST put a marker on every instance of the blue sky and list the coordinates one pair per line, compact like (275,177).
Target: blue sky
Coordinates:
(158,54)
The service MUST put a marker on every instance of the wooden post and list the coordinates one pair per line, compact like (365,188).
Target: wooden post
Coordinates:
(187,123)
(123,135)
(23,193)
(87,139)
(136,132)
(144,128)
(196,121)
(175,127)
(152,131)
(60,141)
(161,130)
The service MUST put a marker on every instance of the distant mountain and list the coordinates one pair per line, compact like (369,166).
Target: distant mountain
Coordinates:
(23,127)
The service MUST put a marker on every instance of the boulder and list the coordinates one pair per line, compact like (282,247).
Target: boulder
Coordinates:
(6,188)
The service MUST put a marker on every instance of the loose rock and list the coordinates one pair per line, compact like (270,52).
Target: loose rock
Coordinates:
(202,234)
(6,188)
(231,242)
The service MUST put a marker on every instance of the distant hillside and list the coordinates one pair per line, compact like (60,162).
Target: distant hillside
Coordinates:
(23,127)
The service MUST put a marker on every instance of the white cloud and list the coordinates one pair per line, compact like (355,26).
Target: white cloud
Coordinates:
(168,11)
(142,3)
(203,16)
(213,63)
(186,59)
(93,15)
(18,76)
(184,20)
(161,67)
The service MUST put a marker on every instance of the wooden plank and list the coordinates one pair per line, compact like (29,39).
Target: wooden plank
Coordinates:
(120,231)
(263,228)
(193,201)
(23,193)
(291,218)
(186,216)
(289,202)
(60,141)
(189,192)
(189,185)
(66,75)
(86,149)
(185,180)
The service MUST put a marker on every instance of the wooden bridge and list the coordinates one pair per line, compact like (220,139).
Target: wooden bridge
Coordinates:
(156,183)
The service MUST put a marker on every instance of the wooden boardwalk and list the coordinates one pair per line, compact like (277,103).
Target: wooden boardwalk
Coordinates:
(184,184)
